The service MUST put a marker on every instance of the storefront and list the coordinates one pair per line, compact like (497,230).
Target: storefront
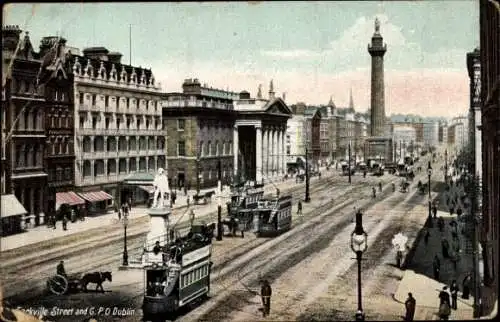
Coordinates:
(97,201)
(11,215)
(74,201)
(138,187)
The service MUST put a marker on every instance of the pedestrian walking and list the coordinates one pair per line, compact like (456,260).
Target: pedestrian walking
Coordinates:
(466,285)
(436,265)
(119,214)
(65,223)
(434,210)
(265,294)
(299,208)
(444,304)
(426,236)
(54,221)
(191,217)
(459,211)
(441,224)
(380,186)
(374,192)
(187,201)
(445,248)
(454,294)
(364,174)
(410,305)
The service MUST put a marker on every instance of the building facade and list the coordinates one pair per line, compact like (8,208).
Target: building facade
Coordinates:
(489,18)
(59,122)
(199,126)
(24,111)
(210,129)
(474,69)
(430,134)
(118,126)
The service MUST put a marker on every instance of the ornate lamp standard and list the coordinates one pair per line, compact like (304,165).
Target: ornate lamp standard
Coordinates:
(125,253)
(307,197)
(359,244)
(429,173)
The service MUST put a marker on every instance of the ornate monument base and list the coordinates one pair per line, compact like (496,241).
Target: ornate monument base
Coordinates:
(158,227)
(379,149)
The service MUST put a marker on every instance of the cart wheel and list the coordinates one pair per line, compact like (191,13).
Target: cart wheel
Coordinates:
(58,284)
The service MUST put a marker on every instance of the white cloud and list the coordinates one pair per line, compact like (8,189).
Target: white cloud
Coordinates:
(295,53)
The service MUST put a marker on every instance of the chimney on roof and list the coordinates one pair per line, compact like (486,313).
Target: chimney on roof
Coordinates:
(284,96)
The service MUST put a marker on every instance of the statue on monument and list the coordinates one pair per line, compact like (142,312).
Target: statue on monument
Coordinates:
(377,25)
(162,189)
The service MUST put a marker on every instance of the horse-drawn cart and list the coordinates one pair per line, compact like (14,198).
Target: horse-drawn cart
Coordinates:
(62,284)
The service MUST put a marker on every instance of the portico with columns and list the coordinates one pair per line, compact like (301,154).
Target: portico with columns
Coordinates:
(259,137)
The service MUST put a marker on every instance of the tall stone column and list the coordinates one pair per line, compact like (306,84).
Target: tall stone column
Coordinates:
(278,156)
(273,152)
(283,152)
(377,49)
(264,152)
(235,150)
(258,159)
(92,174)
(267,151)
(92,144)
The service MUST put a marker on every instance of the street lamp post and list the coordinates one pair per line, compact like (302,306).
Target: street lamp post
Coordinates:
(429,173)
(359,244)
(307,198)
(125,253)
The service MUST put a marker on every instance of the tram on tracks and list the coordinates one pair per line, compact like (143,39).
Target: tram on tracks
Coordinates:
(272,216)
(178,274)
(240,208)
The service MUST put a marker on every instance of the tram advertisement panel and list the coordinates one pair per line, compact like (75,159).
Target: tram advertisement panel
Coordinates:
(196,255)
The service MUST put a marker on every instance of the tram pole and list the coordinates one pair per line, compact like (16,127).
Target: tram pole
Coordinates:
(219,206)
(125,253)
(307,198)
(349,156)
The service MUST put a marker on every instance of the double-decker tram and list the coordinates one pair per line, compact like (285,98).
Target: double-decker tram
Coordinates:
(177,274)
(240,209)
(273,216)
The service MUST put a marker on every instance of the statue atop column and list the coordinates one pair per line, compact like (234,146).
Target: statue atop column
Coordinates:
(162,189)
(377,25)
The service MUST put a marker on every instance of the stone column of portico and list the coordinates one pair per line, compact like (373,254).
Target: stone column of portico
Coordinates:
(235,150)
(267,152)
(258,158)
(278,157)
(283,152)
(273,152)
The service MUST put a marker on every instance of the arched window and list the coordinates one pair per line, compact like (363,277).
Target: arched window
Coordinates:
(39,156)
(214,148)
(34,156)
(27,120)
(57,147)
(132,165)
(40,120)
(209,148)
(201,148)
(28,157)
(86,168)
(35,120)
(20,155)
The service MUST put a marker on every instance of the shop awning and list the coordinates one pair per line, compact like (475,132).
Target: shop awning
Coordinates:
(11,207)
(95,196)
(139,178)
(69,198)
(149,189)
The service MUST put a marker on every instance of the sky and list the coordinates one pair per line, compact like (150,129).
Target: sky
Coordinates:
(311,50)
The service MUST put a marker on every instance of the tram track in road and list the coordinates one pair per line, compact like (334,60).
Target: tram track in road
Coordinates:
(21,269)
(279,262)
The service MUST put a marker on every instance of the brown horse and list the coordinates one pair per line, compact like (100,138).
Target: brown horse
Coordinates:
(96,278)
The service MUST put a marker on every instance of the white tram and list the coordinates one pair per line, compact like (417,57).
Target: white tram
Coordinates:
(273,216)
(178,274)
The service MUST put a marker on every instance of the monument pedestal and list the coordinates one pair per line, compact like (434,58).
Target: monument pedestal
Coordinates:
(379,148)
(158,227)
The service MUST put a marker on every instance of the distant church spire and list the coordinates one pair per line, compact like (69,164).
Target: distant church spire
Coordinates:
(259,92)
(351,101)
(330,102)
(271,90)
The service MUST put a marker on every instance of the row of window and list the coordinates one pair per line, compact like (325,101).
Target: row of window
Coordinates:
(194,276)
(143,144)
(30,120)
(211,149)
(112,166)
(59,174)
(28,156)
(118,122)
(126,101)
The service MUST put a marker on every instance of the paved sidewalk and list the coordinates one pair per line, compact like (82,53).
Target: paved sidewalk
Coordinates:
(43,233)
(419,280)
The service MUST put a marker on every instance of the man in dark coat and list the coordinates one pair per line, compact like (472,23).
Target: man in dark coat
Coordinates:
(410,305)
(299,208)
(444,304)
(436,265)
(454,294)
(60,269)
(466,285)
(265,294)
(434,210)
